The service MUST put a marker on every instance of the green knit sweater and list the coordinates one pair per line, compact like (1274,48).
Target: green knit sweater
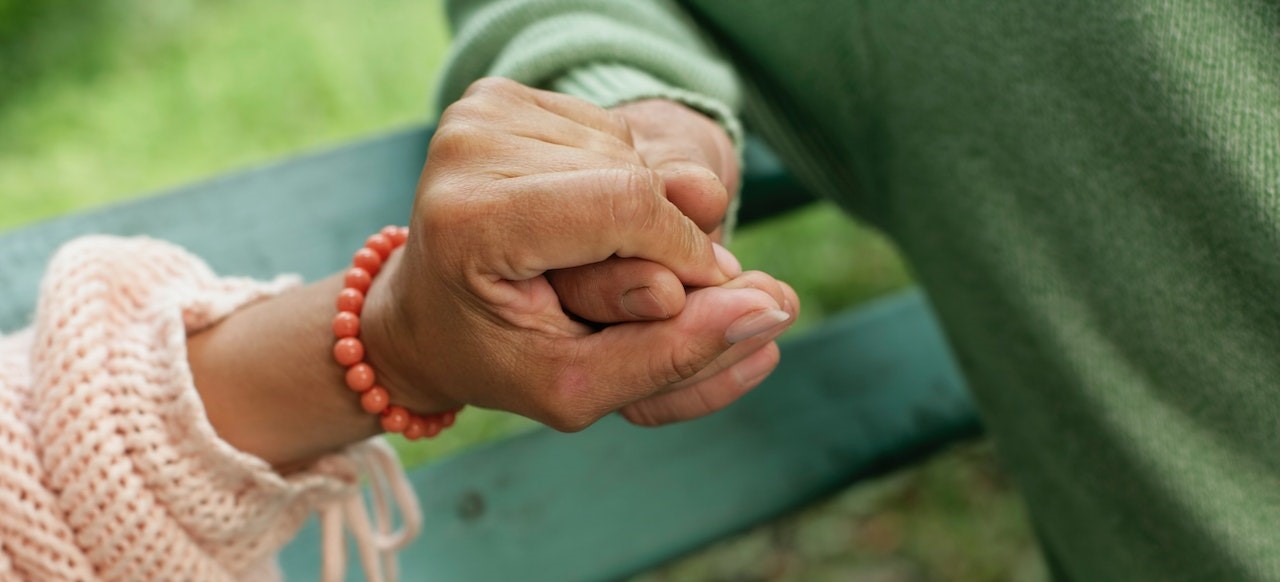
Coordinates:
(1089,191)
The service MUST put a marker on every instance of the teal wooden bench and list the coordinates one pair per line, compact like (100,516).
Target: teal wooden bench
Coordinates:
(865,392)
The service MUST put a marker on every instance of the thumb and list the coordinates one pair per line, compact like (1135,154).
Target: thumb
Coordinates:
(640,359)
(696,190)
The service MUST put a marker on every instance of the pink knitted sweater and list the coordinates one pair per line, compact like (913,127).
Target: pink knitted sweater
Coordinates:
(109,469)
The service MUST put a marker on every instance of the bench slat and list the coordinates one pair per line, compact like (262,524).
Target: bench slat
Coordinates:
(305,215)
(868,391)
(864,392)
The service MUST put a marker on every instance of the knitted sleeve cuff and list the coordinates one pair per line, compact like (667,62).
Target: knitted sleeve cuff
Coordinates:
(148,488)
(538,41)
(609,85)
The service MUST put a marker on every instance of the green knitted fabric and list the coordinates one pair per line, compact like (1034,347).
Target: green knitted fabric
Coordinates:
(1089,191)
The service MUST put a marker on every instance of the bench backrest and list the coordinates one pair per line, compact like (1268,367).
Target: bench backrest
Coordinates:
(863,393)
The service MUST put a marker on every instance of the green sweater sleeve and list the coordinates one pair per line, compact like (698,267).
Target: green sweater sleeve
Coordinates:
(608,52)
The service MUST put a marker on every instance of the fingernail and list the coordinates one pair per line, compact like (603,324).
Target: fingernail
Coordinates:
(728,263)
(754,324)
(642,303)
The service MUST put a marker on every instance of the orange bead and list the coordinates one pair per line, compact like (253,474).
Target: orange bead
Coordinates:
(360,377)
(447,418)
(379,243)
(348,351)
(416,429)
(434,424)
(358,279)
(346,324)
(368,260)
(395,419)
(390,232)
(351,301)
(375,400)
(402,235)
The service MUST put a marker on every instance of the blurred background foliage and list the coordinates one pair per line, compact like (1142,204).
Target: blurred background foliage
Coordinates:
(105,100)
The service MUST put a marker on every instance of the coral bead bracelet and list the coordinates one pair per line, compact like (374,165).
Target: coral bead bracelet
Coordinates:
(349,350)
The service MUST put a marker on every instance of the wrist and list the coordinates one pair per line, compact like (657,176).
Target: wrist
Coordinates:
(269,384)
(395,349)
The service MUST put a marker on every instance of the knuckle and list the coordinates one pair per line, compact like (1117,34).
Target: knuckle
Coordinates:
(619,126)
(758,280)
(491,86)
(678,365)
(469,114)
(614,148)
(453,140)
(643,183)
(632,203)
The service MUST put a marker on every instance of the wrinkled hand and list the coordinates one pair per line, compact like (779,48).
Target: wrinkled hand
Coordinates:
(699,169)
(519,182)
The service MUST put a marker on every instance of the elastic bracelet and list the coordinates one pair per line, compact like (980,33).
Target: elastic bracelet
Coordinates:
(349,350)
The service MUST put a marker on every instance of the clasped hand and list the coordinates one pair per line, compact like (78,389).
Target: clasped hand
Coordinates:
(537,212)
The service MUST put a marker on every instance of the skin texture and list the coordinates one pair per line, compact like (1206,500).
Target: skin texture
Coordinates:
(518,183)
(699,169)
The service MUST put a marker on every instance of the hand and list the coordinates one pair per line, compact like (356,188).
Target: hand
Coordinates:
(700,173)
(519,182)
(699,169)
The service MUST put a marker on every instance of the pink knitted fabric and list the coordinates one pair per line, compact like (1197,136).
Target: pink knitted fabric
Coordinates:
(109,469)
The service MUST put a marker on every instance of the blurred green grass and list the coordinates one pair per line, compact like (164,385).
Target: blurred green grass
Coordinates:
(103,101)
(180,89)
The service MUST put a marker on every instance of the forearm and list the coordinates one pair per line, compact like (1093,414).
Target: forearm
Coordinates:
(271,386)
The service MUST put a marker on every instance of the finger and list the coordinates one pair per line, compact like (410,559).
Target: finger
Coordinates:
(637,360)
(707,396)
(512,108)
(558,130)
(697,192)
(781,293)
(792,302)
(519,228)
(735,372)
(585,113)
(505,154)
(694,155)
(690,176)
(619,290)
